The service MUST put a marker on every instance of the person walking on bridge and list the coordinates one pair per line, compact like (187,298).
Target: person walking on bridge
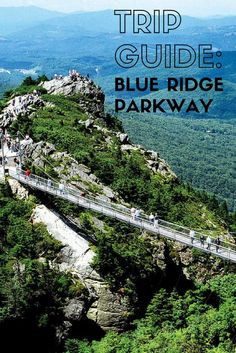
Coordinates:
(217,242)
(192,235)
(137,214)
(151,218)
(208,241)
(27,173)
(156,221)
(132,211)
(62,188)
(202,240)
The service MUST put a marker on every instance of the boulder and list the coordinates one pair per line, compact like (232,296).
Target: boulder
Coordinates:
(88,123)
(74,310)
(84,168)
(110,310)
(109,192)
(128,148)
(79,85)
(152,155)
(124,138)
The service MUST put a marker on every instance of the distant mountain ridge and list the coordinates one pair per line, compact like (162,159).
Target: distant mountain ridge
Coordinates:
(15,19)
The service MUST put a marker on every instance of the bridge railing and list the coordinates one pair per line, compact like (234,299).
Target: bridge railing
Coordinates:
(198,235)
(121,212)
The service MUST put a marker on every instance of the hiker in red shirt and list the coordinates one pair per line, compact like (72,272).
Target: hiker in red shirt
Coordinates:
(27,173)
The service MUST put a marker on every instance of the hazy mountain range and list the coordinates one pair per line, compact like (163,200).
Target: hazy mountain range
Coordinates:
(15,19)
(35,41)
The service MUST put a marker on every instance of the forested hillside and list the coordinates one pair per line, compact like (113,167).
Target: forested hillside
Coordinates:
(202,320)
(200,151)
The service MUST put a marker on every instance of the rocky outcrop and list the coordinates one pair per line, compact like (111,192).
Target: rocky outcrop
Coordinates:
(69,85)
(109,310)
(90,97)
(68,170)
(18,190)
(20,105)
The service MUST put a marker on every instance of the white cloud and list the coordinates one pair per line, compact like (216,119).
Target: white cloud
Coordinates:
(32,71)
(4,71)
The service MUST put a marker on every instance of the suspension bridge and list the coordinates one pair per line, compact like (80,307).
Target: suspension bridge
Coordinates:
(171,231)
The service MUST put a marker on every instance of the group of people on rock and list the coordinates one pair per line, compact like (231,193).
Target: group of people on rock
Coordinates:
(13,146)
(73,74)
(26,141)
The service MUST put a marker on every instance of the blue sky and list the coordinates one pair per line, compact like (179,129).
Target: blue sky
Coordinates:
(190,7)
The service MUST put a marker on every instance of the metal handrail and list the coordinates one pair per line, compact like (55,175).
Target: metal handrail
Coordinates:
(167,229)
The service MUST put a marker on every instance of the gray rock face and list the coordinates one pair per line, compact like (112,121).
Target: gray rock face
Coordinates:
(24,105)
(68,169)
(152,155)
(109,310)
(70,86)
(18,189)
(88,123)
(128,148)
(37,150)
(63,330)
(158,250)
(92,98)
